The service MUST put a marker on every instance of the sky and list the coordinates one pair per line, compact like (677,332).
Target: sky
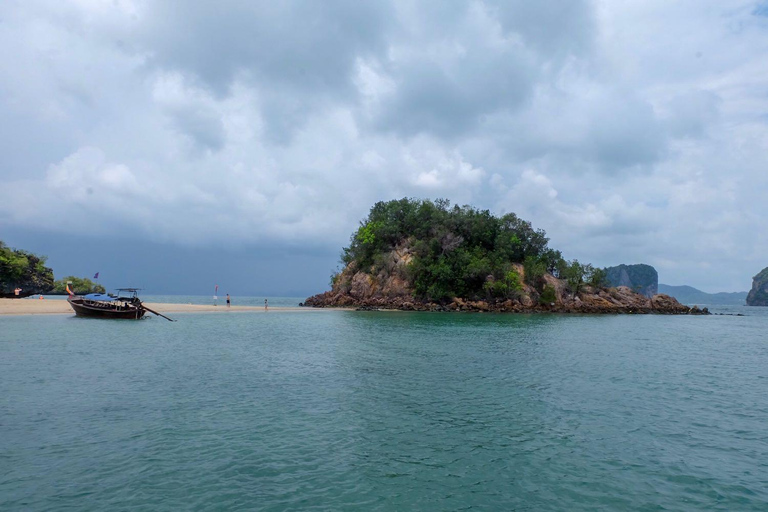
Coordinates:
(173,145)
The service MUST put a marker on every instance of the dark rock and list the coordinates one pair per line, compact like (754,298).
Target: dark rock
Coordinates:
(758,295)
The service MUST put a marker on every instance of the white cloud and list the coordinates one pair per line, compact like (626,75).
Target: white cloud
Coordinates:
(629,131)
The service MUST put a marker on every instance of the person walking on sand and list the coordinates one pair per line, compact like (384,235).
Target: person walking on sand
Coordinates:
(228,300)
(266,305)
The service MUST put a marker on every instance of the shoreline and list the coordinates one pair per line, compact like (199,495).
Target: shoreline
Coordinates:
(23,307)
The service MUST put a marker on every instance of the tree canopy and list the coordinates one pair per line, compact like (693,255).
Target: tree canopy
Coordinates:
(80,286)
(459,251)
(25,270)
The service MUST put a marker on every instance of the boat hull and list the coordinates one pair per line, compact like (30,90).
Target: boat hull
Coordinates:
(99,309)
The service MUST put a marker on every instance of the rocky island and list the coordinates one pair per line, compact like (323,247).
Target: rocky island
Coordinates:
(428,256)
(758,295)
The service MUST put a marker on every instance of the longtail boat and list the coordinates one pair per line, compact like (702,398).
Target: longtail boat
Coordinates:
(126,305)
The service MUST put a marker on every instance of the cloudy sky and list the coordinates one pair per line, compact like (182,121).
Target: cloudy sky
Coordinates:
(175,144)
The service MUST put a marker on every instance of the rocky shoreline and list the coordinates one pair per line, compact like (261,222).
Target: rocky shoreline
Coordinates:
(619,300)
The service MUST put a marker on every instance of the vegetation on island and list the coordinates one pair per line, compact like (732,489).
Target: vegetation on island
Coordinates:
(78,285)
(24,270)
(461,251)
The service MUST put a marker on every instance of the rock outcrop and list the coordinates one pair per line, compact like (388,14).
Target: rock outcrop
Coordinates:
(758,295)
(389,289)
(642,278)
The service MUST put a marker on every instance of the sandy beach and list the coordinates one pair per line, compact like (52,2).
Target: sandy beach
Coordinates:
(62,307)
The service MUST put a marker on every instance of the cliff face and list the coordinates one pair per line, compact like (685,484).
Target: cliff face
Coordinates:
(390,289)
(642,278)
(758,295)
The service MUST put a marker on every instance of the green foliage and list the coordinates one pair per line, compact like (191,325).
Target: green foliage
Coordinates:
(574,274)
(598,278)
(23,269)
(334,277)
(577,274)
(80,286)
(507,287)
(13,264)
(456,250)
(548,295)
(535,269)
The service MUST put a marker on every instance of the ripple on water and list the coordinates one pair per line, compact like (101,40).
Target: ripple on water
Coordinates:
(384,411)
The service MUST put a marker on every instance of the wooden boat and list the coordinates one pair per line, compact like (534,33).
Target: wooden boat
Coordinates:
(126,304)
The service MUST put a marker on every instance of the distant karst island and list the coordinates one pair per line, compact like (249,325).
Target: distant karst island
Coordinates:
(758,295)
(421,255)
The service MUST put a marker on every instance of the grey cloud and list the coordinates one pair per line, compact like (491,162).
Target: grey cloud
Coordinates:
(308,47)
(223,123)
(446,103)
(625,132)
(202,126)
(298,54)
(456,72)
(590,128)
(690,114)
(554,28)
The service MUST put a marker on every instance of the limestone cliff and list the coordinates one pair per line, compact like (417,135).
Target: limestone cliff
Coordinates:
(642,278)
(758,295)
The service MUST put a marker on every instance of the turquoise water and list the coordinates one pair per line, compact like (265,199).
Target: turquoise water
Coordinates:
(339,410)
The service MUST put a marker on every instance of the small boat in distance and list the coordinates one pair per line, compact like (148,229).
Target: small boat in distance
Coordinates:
(126,305)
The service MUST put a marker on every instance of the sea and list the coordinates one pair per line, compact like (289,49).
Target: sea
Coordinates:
(342,410)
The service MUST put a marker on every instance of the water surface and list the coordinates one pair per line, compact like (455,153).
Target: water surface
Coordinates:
(384,411)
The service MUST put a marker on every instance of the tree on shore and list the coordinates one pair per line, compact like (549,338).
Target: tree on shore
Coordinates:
(79,286)
(24,270)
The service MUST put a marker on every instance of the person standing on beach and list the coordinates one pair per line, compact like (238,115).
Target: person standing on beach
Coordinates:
(228,300)
(266,305)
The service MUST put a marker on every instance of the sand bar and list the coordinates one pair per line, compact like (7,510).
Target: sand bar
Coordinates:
(62,307)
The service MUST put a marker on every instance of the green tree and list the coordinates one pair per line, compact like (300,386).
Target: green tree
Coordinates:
(598,278)
(80,286)
(574,274)
(548,295)
(25,270)
(535,269)
(456,250)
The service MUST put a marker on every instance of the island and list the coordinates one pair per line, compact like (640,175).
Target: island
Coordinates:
(420,255)
(640,277)
(23,273)
(758,295)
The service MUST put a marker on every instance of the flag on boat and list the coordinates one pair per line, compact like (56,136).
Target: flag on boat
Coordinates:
(69,291)
(96,275)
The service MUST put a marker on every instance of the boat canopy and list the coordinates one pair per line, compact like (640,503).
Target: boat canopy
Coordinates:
(100,296)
